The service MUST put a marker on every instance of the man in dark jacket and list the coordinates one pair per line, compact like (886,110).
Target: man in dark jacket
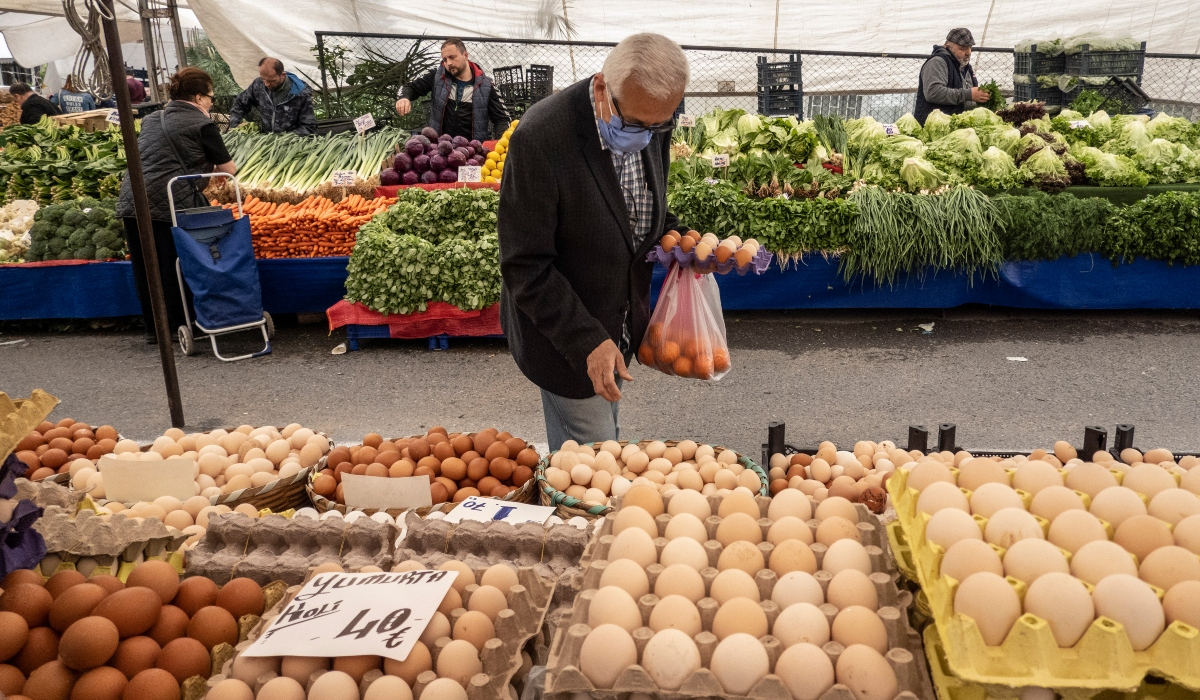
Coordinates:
(33,105)
(583,201)
(464,100)
(284,102)
(947,81)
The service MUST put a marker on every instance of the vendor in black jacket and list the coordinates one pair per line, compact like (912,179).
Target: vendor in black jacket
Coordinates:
(582,203)
(33,105)
(464,100)
(947,81)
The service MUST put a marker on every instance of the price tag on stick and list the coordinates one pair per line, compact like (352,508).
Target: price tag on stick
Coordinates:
(344,178)
(470,173)
(485,509)
(720,160)
(114,117)
(890,130)
(1080,124)
(685,120)
(339,614)
(364,122)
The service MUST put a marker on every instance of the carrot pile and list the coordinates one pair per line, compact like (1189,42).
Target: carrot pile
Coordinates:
(316,227)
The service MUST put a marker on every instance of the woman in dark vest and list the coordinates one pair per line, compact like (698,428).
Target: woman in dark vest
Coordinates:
(179,140)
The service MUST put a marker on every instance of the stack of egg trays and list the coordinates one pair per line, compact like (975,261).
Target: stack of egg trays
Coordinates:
(502,659)
(905,653)
(758,264)
(1102,659)
(275,548)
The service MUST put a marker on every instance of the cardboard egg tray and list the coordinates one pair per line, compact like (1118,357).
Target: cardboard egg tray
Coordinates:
(47,493)
(1029,656)
(275,548)
(18,417)
(758,264)
(504,663)
(92,545)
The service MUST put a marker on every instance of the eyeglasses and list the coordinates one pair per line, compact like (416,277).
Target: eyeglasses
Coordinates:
(660,128)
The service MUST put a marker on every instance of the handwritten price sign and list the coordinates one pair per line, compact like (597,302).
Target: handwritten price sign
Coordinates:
(485,509)
(381,614)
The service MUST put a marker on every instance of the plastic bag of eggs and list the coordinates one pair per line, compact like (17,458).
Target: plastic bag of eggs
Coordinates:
(596,474)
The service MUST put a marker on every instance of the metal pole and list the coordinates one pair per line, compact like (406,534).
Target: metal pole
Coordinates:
(177,31)
(141,205)
(324,83)
(148,45)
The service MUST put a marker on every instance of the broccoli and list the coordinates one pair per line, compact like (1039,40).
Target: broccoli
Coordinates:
(87,252)
(107,240)
(41,230)
(64,232)
(75,219)
(55,246)
(37,248)
(78,239)
(117,227)
(52,214)
(66,254)
(99,216)
(106,253)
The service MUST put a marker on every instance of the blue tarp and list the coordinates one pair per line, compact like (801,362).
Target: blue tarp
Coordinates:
(312,285)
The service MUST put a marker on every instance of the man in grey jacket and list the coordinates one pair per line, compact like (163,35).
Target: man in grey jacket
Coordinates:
(284,102)
(948,82)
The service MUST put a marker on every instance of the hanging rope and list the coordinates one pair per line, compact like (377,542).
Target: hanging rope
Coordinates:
(90,70)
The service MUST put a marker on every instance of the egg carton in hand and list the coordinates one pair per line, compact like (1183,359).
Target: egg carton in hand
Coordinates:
(758,264)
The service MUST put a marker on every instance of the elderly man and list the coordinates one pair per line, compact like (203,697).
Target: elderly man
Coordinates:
(583,201)
(284,102)
(947,80)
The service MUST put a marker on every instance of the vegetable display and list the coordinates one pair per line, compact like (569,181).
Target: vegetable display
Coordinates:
(86,229)
(316,227)
(493,165)
(271,165)
(428,159)
(50,163)
(16,218)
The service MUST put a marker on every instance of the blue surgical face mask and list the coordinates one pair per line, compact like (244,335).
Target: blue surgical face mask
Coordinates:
(622,141)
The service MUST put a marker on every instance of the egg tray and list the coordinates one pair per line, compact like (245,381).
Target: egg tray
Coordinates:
(502,658)
(564,678)
(323,505)
(664,258)
(1029,656)
(569,506)
(277,548)
(87,542)
(46,493)
(19,417)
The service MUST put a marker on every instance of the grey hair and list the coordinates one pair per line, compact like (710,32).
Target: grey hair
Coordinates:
(653,61)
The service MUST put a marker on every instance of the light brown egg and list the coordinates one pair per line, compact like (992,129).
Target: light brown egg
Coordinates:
(1167,566)
(741,555)
(1113,506)
(444,689)
(502,576)
(1008,525)
(991,602)
(627,574)
(1148,479)
(335,685)
(419,660)
(802,623)
(1090,478)
(634,544)
(300,668)
(1182,603)
(992,497)
(740,616)
(950,525)
(858,625)
(1132,603)
(979,471)
(1029,559)
(682,580)
(1143,534)
(805,670)
(867,673)
(614,605)
(852,587)
(1075,528)
(1170,505)
(970,556)
(675,612)
(1098,560)
(794,555)
(927,473)
(476,628)
(1063,601)
(459,660)
(739,663)
(356,666)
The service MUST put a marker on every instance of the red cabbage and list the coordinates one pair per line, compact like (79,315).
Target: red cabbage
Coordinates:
(429,177)
(431,150)
(444,148)
(414,148)
(402,163)
(475,144)
(460,141)
(476,160)
(429,133)
(445,137)
(448,176)
(455,160)
(389,176)
(421,163)
(437,163)
(410,178)
(424,141)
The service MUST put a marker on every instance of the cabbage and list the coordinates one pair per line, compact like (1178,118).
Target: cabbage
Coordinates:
(960,150)
(1169,128)
(896,149)
(1131,139)
(908,125)
(864,132)
(1045,168)
(1005,138)
(997,170)
(937,125)
(1099,119)
(724,142)
(978,117)
(1070,114)
(747,126)
(1165,162)
(1109,170)
(919,174)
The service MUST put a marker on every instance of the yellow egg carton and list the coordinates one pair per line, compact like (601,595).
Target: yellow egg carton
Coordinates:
(1102,659)
(18,417)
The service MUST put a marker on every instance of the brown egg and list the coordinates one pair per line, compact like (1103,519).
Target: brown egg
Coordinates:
(22,576)
(43,473)
(494,450)
(454,468)
(152,684)
(477,469)
(299,668)
(338,455)
(29,601)
(63,580)
(241,596)
(488,483)
(103,683)
(419,660)
(474,627)
(31,441)
(212,626)
(527,458)
(40,648)
(521,475)
(172,624)
(438,493)
(324,485)
(483,440)
(465,492)
(14,632)
(356,666)
(31,460)
(12,681)
(133,610)
(156,575)
(112,584)
(443,451)
(88,643)
(135,655)
(185,657)
(194,593)
(502,469)
(54,458)
(52,681)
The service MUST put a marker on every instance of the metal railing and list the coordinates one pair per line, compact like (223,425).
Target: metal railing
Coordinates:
(851,84)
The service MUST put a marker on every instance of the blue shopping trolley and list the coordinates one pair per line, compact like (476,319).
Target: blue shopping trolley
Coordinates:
(216,263)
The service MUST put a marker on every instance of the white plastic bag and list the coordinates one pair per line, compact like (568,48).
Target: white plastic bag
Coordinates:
(686,336)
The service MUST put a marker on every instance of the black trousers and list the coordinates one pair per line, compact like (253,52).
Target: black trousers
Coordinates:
(164,246)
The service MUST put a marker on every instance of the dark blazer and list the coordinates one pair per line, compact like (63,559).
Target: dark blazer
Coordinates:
(570,271)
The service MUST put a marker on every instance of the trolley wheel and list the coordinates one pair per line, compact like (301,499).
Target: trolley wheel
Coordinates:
(185,341)
(270,325)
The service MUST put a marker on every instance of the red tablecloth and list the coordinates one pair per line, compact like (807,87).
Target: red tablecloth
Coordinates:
(391,190)
(55,263)
(439,318)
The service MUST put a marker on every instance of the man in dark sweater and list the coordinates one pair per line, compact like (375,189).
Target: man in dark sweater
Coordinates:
(284,102)
(33,105)
(947,81)
(464,101)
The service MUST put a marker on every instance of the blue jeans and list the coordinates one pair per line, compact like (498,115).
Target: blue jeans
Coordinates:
(581,420)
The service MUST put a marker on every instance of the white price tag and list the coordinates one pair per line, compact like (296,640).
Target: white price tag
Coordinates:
(720,160)
(485,509)
(114,117)
(711,180)
(382,492)
(685,120)
(339,614)
(364,122)
(891,129)
(344,178)
(470,173)
(1080,124)
(132,480)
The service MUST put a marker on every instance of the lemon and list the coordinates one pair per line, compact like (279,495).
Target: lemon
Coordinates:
(513,124)
(491,157)
(504,142)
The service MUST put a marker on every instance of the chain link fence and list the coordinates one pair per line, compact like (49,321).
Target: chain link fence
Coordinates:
(850,84)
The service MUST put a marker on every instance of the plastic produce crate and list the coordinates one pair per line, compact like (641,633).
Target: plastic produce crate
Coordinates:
(1088,62)
(1031,92)
(539,82)
(776,74)
(781,103)
(1034,63)
(510,81)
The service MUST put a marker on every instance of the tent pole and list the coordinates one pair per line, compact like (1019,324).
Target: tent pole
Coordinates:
(177,31)
(151,57)
(141,205)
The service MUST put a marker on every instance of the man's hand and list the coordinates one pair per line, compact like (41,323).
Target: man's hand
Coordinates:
(403,106)
(979,95)
(604,361)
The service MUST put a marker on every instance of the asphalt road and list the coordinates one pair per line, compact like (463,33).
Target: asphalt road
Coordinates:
(841,377)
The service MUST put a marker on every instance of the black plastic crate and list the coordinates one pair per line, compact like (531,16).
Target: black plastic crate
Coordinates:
(1122,95)
(781,103)
(539,82)
(777,74)
(1034,63)
(510,81)
(1032,92)
(1088,62)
